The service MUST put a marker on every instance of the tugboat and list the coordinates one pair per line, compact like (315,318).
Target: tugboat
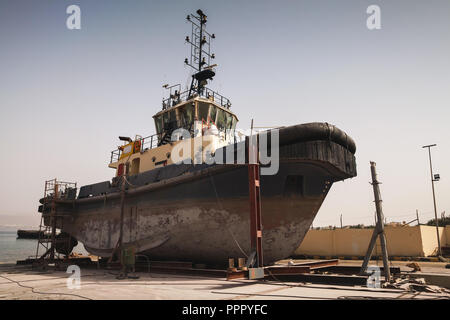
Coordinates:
(171,203)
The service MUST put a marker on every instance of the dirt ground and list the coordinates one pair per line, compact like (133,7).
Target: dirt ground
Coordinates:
(21,282)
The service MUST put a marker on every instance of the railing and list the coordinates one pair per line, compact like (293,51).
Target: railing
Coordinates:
(149,142)
(207,93)
(62,189)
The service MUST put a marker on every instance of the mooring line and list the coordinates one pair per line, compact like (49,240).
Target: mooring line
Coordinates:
(221,208)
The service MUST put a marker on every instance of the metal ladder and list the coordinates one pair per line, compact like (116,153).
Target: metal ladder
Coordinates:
(48,237)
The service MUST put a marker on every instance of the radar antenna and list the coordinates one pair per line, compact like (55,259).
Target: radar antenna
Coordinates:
(200,58)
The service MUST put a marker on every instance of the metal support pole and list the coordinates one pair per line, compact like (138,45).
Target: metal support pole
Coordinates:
(379,228)
(255,212)
(434,198)
(255,200)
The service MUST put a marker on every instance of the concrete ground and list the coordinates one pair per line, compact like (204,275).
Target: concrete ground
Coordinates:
(20,282)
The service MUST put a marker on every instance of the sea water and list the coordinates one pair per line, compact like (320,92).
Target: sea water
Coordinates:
(13,249)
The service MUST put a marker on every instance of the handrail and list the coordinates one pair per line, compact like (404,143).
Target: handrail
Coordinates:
(149,142)
(207,93)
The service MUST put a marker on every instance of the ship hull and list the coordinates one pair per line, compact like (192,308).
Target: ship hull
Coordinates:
(203,215)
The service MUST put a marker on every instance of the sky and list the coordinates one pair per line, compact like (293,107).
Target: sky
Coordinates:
(66,95)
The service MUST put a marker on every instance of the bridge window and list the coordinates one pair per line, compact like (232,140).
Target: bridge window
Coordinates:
(229,119)
(169,120)
(233,126)
(158,124)
(186,114)
(212,113)
(203,109)
(221,121)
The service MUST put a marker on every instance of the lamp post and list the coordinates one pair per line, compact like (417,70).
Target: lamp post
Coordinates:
(433,179)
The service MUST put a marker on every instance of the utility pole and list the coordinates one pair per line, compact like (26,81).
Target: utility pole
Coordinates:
(417,216)
(378,230)
(341,221)
(255,199)
(433,179)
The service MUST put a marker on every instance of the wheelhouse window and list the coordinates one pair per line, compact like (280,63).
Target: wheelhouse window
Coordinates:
(221,121)
(212,113)
(186,116)
(183,116)
(229,121)
(233,126)
(225,120)
(159,124)
(203,111)
(169,119)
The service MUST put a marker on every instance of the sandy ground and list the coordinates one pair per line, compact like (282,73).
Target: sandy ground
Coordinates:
(20,282)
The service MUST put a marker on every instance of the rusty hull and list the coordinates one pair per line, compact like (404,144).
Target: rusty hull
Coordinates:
(203,215)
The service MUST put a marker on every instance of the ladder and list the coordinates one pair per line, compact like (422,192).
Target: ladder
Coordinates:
(52,219)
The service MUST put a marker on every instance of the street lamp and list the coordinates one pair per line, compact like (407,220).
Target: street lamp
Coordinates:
(434,178)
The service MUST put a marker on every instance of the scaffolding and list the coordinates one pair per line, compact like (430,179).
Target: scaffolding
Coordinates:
(52,242)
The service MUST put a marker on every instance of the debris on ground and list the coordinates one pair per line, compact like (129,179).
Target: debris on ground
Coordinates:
(414,285)
(415,266)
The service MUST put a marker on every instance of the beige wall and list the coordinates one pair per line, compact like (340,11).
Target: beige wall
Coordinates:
(429,239)
(404,241)
(401,241)
(335,242)
(447,236)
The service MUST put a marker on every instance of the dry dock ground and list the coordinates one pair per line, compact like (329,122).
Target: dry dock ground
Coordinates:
(20,282)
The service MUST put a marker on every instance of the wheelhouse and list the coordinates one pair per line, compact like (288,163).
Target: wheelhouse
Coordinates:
(204,111)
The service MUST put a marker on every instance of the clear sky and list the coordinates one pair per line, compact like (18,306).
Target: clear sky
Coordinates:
(66,95)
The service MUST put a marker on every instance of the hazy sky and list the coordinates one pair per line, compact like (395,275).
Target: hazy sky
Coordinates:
(66,95)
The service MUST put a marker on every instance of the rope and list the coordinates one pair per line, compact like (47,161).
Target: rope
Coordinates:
(221,208)
(128,182)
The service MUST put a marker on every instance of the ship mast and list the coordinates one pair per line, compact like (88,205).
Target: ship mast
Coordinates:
(200,58)
(200,61)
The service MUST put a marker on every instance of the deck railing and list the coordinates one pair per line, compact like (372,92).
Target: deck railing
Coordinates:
(207,93)
(147,143)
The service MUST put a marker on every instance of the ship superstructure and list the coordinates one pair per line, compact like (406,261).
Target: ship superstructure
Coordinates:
(198,110)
